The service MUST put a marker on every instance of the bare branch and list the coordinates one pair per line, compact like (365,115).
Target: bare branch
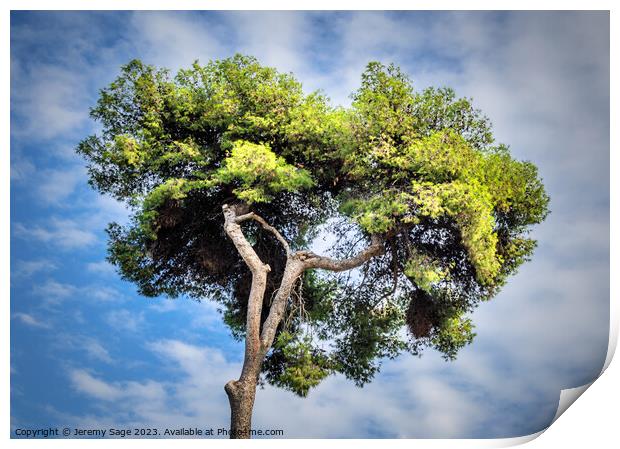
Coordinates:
(312,260)
(294,268)
(266,226)
(253,356)
(296,264)
(233,230)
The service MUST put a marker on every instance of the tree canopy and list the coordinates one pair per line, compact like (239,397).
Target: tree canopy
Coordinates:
(416,172)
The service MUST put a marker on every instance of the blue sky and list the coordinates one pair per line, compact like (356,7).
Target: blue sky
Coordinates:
(86,350)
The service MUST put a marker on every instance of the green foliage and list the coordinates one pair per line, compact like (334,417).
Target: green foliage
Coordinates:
(260,173)
(419,168)
(424,272)
(377,214)
(304,366)
(454,333)
(440,109)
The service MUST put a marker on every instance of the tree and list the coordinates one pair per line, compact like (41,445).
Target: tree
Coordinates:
(232,172)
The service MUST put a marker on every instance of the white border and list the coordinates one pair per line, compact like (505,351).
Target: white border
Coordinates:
(591,423)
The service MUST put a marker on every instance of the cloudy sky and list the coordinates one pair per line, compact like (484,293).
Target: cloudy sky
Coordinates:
(86,350)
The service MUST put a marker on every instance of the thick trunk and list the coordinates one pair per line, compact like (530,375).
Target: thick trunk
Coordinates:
(241,397)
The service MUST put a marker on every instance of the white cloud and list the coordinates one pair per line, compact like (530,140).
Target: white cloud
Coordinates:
(64,233)
(102,268)
(54,292)
(129,399)
(56,66)
(409,392)
(57,185)
(21,168)
(102,293)
(106,209)
(173,40)
(126,320)
(198,399)
(277,39)
(84,382)
(49,101)
(26,268)
(30,320)
(362,37)
(164,305)
(205,315)
(95,350)
(85,344)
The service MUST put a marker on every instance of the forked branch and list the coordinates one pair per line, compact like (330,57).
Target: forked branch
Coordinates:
(258,342)
(259,271)
(266,226)
(296,264)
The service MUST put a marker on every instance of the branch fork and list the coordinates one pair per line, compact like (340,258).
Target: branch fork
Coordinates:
(241,393)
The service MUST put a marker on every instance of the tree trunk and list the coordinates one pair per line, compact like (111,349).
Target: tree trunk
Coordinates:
(241,397)
(241,393)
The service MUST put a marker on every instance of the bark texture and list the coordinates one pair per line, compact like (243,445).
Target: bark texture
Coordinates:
(241,398)
(242,392)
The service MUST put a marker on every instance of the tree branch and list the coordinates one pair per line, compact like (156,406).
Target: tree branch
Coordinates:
(294,268)
(233,230)
(312,260)
(257,342)
(266,226)
(296,264)
(253,356)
